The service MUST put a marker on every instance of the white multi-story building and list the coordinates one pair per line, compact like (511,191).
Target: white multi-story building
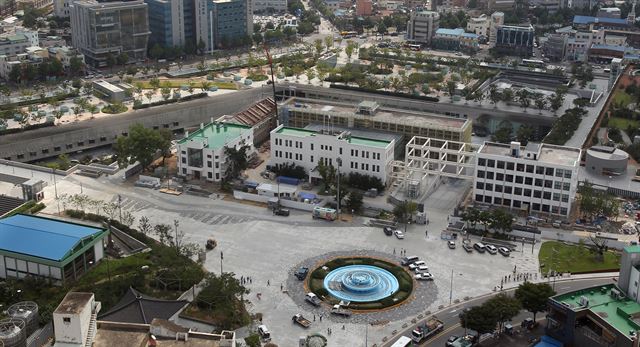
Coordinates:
(422,26)
(74,320)
(307,148)
(538,178)
(260,6)
(61,8)
(202,153)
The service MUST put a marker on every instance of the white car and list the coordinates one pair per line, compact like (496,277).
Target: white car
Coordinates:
(421,268)
(425,276)
(451,244)
(504,251)
(416,264)
(492,249)
(264,332)
(399,234)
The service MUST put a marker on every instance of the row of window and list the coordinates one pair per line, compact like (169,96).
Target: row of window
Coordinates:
(522,191)
(365,167)
(487,199)
(529,181)
(520,167)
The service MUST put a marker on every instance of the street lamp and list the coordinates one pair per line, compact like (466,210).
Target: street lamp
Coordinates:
(339,161)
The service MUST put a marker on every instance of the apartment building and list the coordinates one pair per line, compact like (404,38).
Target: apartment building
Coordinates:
(341,149)
(537,178)
(368,115)
(219,23)
(110,28)
(14,43)
(422,26)
(202,153)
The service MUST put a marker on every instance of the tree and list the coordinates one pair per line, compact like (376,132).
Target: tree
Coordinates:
(382,28)
(351,46)
(327,172)
(165,91)
(122,58)
(504,307)
(156,51)
(237,160)
(224,295)
(328,42)
(523,98)
(163,231)
(205,85)
(540,102)
(524,134)
(494,95)
(472,216)
(144,226)
(405,210)
(111,60)
(353,201)
(507,95)
(534,296)
(451,88)
(140,145)
(479,318)
(76,66)
(318,44)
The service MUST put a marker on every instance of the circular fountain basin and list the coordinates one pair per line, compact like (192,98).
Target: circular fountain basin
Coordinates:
(361,283)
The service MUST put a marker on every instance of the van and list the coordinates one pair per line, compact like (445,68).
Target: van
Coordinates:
(479,247)
(264,331)
(409,260)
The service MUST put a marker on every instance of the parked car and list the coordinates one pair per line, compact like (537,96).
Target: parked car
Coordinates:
(409,260)
(399,234)
(451,340)
(301,273)
(492,249)
(504,251)
(388,231)
(421,268)
(451,244)
(416,264)
(281,212)
(479,247)
(264,331)
(425,276)
(467,247)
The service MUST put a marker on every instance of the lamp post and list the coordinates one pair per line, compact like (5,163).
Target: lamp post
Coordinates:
(339,161)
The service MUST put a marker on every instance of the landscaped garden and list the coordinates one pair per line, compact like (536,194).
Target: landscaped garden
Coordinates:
(563,257)
(362,281)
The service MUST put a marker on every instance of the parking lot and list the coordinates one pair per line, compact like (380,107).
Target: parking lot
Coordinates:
(267,248)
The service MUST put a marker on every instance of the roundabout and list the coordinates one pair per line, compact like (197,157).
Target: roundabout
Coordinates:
(371,284)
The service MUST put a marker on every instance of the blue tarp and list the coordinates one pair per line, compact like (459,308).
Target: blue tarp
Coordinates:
(41,237)
(309,196)
(548,341)
(288,180)
(250,184)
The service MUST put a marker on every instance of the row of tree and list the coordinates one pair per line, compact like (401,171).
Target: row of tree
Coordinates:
(495,219)
(52,67)
(501,308)
(596,202)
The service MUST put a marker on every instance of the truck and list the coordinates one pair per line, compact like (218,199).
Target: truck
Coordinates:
(312,299)
(339,311)
(324,213)
(303,322)
(427,329)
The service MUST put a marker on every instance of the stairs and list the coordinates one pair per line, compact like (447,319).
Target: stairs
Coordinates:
(91,333)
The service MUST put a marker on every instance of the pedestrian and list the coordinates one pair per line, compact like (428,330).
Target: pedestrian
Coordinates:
(250,280)
(321,318)
(342,326)
(394,251)
(314,317)
(268,283)
(280,286)
(426,233)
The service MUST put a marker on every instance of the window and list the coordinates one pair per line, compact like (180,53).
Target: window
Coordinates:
(510,166)
(340,150)
(489,175)
(549,171)
(507,189)
(517,191)
(480,174)
(556,196)
(497,201)
(56,148)
(546,195)
(183,160)
(540,170)
(487,199)
(559,172)
(527,192)
(499,177)
(479,197)
(491,163)
(488,186)
(567,174)
(217,176)
(209,175)
(520,167)
(482,162)
(509,178)
(516,203)
(66,320)
(500,164)
(312,160)
(565,197)
(548,183)
(545,208)
(557,185)
(566,186)
(498,188)
(535,207)
(519,179)
(563,210)
(528,181)
(209,165)
(312,148)
(506,202)
(530,168)
(537,194)
(479,185)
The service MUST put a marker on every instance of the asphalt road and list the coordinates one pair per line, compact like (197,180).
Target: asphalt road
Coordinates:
(452,322)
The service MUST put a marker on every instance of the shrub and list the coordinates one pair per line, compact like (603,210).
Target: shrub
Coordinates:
(319,273)
(252,340)
(364,182)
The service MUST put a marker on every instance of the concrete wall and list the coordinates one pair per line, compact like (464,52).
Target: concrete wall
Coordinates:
(104,131)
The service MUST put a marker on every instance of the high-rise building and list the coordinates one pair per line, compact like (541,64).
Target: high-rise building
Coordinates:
(269,6)
(99,30)
(166,22)
(497,20)
(556,47)
(515,40)
(221,22)
(61,8)
(422,26)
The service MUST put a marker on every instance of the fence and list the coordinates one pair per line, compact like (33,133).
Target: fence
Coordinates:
(283,202)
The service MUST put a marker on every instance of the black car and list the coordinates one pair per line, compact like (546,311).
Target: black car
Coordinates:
(301,273)
(281,212)
(388,231)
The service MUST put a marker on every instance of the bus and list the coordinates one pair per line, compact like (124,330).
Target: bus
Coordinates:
(534,62)
(403,341)
(413,47)
(348,34)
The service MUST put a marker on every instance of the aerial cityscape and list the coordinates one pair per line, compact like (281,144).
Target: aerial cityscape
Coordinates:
(310,173)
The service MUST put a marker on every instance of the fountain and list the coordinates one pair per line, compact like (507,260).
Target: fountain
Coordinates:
(361,283)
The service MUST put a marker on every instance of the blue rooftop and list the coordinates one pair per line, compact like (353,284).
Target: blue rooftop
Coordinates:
(471,35)
(42,237)
(590,19)
(445,31)
(609,47)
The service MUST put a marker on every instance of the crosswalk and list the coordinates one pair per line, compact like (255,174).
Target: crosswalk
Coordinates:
(135,205)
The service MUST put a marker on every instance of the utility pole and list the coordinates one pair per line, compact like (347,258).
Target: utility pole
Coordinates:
(120,206)
(339,161)
(451,288)
(221,258)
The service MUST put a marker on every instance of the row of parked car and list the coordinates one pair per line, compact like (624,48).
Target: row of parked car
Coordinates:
(481,248)
(419,267)
(389,231)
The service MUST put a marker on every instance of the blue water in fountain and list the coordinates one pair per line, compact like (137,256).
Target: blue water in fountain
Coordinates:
(360,283)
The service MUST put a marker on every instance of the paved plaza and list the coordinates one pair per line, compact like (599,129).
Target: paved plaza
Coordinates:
(268,248)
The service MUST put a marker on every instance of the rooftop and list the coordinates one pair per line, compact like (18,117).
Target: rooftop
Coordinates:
(135,307)
(356,140)
(619,313)
(74,302)
(9,203)
(255,113)
(43,237)
(551,154)
(606,152)
(632,249)
(217,135)
(109,334)
(605,20)
(383,114)
(454,32)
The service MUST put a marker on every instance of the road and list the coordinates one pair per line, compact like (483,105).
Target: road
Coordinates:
(452,322)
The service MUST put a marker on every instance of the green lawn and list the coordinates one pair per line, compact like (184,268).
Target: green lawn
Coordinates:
(622,98)
(574,258)
(623,123)
(179,83)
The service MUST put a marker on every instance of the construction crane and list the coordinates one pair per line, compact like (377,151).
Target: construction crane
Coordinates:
(273,82)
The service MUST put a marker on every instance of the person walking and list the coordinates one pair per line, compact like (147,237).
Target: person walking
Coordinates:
(268,283)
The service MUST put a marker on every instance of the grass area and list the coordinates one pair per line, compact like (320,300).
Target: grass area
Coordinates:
(563,257)
(180,83)
(623,123)
(405,281)
(622,99)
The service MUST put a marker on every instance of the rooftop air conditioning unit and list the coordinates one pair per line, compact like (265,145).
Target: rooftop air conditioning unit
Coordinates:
(584,301)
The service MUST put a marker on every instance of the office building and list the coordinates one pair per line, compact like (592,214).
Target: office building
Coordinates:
(202,153)
(61,8)
(515,40)
(221,23)
(166,22)
(55,250)
(364,7)
(64,54)
(609,12)
(497,20)
(269,6)
(110,28)
(368,115)
(307,148)
(455,40)
(12,44)
(536,179)
(602,315)
(37,4)
(500,5)
(422,26)
(555,48)
(479,25)
(552,6)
